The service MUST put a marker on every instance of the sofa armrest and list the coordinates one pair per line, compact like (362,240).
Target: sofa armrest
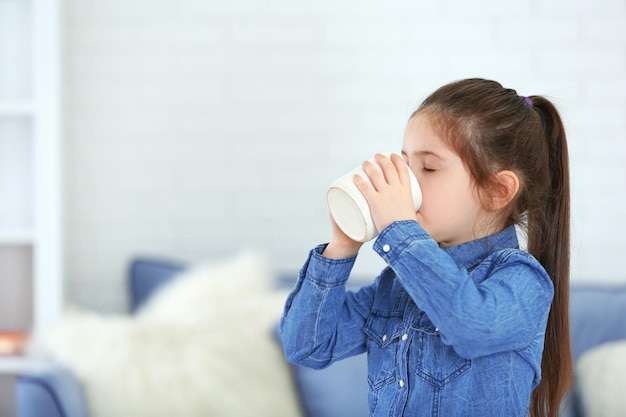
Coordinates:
(596,316)
(51,391)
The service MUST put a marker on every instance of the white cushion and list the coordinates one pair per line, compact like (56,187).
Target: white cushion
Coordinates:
(202,346)
(601,380)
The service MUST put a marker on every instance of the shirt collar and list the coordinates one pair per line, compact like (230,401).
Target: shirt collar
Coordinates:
(470,254)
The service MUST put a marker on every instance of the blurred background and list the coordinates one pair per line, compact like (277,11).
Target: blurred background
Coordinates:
(194,129)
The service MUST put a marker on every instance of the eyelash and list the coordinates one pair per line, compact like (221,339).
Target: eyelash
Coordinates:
(425,168)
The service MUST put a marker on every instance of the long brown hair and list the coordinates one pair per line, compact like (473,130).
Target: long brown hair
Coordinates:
(492,128)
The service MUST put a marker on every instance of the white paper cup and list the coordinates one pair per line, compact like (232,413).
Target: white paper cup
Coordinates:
(350,209)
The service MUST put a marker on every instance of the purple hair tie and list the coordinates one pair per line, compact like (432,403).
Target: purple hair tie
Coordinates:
(528,101)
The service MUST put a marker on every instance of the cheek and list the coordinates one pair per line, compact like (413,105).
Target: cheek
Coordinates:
(444,207)
(435,198)
(440,198)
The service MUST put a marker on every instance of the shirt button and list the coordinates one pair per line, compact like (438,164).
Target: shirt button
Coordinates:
(386,248)
(405,337)
(436,329)
(384,338)
(401,383)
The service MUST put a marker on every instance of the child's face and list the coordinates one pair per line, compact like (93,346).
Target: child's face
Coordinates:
(451,211)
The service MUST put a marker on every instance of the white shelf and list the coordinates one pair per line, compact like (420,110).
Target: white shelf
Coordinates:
(18,364)
(16,108)
(17,237)
(30,166)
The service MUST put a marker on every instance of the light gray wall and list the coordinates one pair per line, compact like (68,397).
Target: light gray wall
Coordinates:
(197,128)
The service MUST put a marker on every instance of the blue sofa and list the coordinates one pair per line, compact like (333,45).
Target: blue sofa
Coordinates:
(597,316)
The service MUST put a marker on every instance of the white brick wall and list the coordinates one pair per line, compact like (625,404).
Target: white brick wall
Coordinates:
(198,128)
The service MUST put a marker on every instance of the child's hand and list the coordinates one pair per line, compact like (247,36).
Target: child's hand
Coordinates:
(340,246)
(389,194)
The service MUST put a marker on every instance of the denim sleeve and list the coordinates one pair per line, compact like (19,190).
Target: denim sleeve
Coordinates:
(322,322)
(502,310)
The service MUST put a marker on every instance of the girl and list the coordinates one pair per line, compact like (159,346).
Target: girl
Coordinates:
(461,322)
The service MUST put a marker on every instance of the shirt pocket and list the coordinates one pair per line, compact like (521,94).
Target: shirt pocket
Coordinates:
(436,362)
(383,333)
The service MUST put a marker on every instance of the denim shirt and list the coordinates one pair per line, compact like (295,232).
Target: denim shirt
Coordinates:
(448,332)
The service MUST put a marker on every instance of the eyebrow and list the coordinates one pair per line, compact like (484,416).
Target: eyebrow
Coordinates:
(425,153)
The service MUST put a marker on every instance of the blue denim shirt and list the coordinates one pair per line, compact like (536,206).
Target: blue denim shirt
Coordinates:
(448,332)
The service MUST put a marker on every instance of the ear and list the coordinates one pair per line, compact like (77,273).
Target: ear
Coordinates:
(506,186)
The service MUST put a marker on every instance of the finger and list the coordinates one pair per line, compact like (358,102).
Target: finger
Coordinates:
(388,168)
(401,168)
(375,175)
(365,187)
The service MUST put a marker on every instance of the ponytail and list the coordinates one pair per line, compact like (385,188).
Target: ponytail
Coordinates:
(549,242)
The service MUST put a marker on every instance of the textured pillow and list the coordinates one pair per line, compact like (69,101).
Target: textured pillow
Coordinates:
(201,347)
(601,379)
